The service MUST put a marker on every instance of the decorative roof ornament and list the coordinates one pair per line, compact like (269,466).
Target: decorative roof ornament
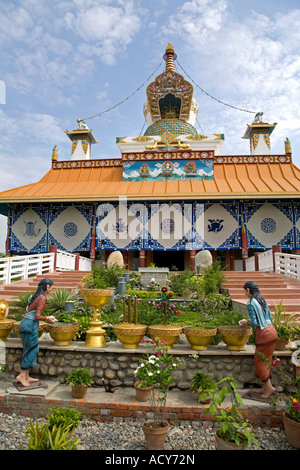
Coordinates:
(170,96)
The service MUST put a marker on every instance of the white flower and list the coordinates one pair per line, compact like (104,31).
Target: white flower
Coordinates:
(150,373)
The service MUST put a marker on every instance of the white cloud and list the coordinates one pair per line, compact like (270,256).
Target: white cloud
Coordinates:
(252,65)
(107,29)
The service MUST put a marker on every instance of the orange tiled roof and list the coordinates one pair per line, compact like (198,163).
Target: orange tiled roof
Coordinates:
(98,183)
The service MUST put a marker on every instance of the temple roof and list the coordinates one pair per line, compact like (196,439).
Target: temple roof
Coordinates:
(100,180)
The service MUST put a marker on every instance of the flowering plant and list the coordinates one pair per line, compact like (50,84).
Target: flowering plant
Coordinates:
(156,371)
(294,407)
(164,304)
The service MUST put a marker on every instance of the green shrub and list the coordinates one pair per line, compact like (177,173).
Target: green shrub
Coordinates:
(44,437)
(79,377)
(64,417)
(56,302)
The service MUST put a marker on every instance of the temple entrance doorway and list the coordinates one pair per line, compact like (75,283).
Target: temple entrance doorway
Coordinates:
(169,259)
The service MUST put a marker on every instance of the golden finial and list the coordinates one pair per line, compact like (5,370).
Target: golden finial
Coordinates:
(169,57)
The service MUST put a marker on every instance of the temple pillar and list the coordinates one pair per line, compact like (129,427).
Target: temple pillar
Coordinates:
(277,249)
(142,259)
(244,246)
(53,249)
(192,259)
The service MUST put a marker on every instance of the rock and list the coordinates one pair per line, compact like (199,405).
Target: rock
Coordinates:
(115,257)
(203,259)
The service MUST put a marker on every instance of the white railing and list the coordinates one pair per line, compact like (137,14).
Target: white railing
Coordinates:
(250,264)
(67,262)
(265,261)
(22,267)
(287,264)
(85,264)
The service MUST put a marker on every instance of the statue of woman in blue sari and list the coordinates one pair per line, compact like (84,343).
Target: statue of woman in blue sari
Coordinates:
(29,327)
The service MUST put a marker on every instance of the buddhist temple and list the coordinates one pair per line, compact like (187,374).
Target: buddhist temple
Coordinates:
(167,195)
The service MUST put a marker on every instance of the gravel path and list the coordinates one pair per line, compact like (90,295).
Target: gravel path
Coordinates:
(129,436)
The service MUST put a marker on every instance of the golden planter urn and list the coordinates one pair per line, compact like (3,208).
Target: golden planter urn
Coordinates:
(199,337)
(168,334)
(62,333)
(42,328)
(96,298)
(6,324)
(130,334)
(235,337)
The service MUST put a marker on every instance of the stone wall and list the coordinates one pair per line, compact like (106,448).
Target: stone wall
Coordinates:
(117,365)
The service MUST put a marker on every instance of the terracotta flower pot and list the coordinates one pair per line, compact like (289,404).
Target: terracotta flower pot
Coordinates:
(155,436)
(292,430)
(142,393)
(281,344)
(226,445)
(79,391)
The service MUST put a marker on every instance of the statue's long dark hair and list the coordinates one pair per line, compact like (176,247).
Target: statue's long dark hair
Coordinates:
(255,293)
(41,289)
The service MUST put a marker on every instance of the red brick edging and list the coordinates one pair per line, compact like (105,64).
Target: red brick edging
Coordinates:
(37,407)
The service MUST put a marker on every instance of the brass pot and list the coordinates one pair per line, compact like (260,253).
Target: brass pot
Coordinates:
(96,298)
(235,337)
(130,334)
(42,328)
(62,333)
(199,337)
(6,327)
(168,334)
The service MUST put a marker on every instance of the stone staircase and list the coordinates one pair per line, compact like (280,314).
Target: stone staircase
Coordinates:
(273,287)
(66,279)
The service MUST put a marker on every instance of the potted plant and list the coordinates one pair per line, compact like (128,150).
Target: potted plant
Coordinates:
(156,371)
(80,380)
(283,324)
(202,383)
(169,333)
(235,432)
(63,330)
(146,378)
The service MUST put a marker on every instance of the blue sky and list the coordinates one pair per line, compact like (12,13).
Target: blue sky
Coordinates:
(69,59)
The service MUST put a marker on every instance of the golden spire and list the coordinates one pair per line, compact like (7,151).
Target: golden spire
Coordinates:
(169,57)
